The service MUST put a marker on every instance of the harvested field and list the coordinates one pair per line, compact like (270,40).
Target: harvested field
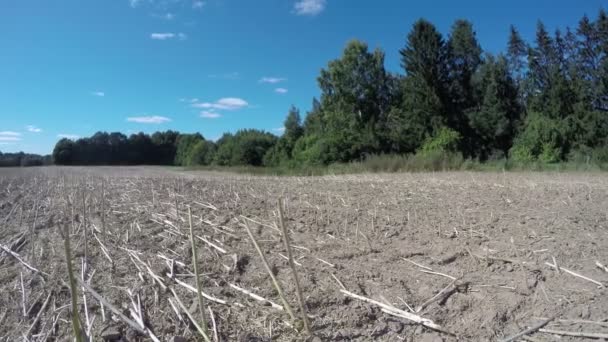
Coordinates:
(471,254)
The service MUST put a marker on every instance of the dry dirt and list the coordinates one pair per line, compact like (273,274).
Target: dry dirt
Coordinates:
(487,238)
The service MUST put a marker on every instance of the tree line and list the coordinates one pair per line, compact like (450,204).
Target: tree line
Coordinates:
(545,100)
(24,159)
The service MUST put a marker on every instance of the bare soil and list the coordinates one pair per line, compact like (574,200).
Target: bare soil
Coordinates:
(469,251)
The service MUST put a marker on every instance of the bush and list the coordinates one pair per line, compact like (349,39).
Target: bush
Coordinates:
(444,140)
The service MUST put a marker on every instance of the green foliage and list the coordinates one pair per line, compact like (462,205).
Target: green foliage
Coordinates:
(311,150)
(63,153)
(542,138)
(202,153)
(445,140)
(281,153)
(185,145)
(355,98)
(246,147)
(495,121)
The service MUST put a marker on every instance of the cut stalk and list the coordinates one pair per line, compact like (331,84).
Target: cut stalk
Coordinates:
(76,326)
(103,210)
(84,229)
(274,280)
(293,268)
(201,307)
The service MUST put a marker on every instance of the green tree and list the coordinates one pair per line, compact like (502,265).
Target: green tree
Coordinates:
(63,153)
(496,120)
(202,153)
(185,144)
(245,147)
(517,51)
(464,58)
(422,109)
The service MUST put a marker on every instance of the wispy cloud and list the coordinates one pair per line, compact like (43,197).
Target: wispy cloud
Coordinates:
(9,137)
(154,119)
(134,3)
(309,7)
(226,103)
(227,76)
(68,136)
(168,35)
(198,4)
(192,100)
(162,36)
(98,93)
(272,80)
(281,90)
(6,138)
(279,129)
(33,129)
(209,114)
(169,16)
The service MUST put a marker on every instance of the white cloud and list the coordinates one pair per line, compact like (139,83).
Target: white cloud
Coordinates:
(98,93)
(210,114)
(155,119)
(279,129)
(33,129)
(7,143)
(9,138)
(68,136)
(168,35)
(162,36)
(198,4)
(309,7)
(10,134)
(272,80)
(281,91)
(226,103)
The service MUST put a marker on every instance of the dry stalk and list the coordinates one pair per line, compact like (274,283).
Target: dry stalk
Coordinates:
(287,242)
(397,312)
(76,326)
(103,209)
(46,302)
(274,280)
(116,311)
(201,307)
(84,228)
(529,330)
(256,297)
(576,274)
(18,257)
(575,333)
(23,295)
(215,336)
(192,289)
(601,266)
(183,307)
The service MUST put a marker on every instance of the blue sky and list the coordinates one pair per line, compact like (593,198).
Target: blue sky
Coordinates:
(74,67)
